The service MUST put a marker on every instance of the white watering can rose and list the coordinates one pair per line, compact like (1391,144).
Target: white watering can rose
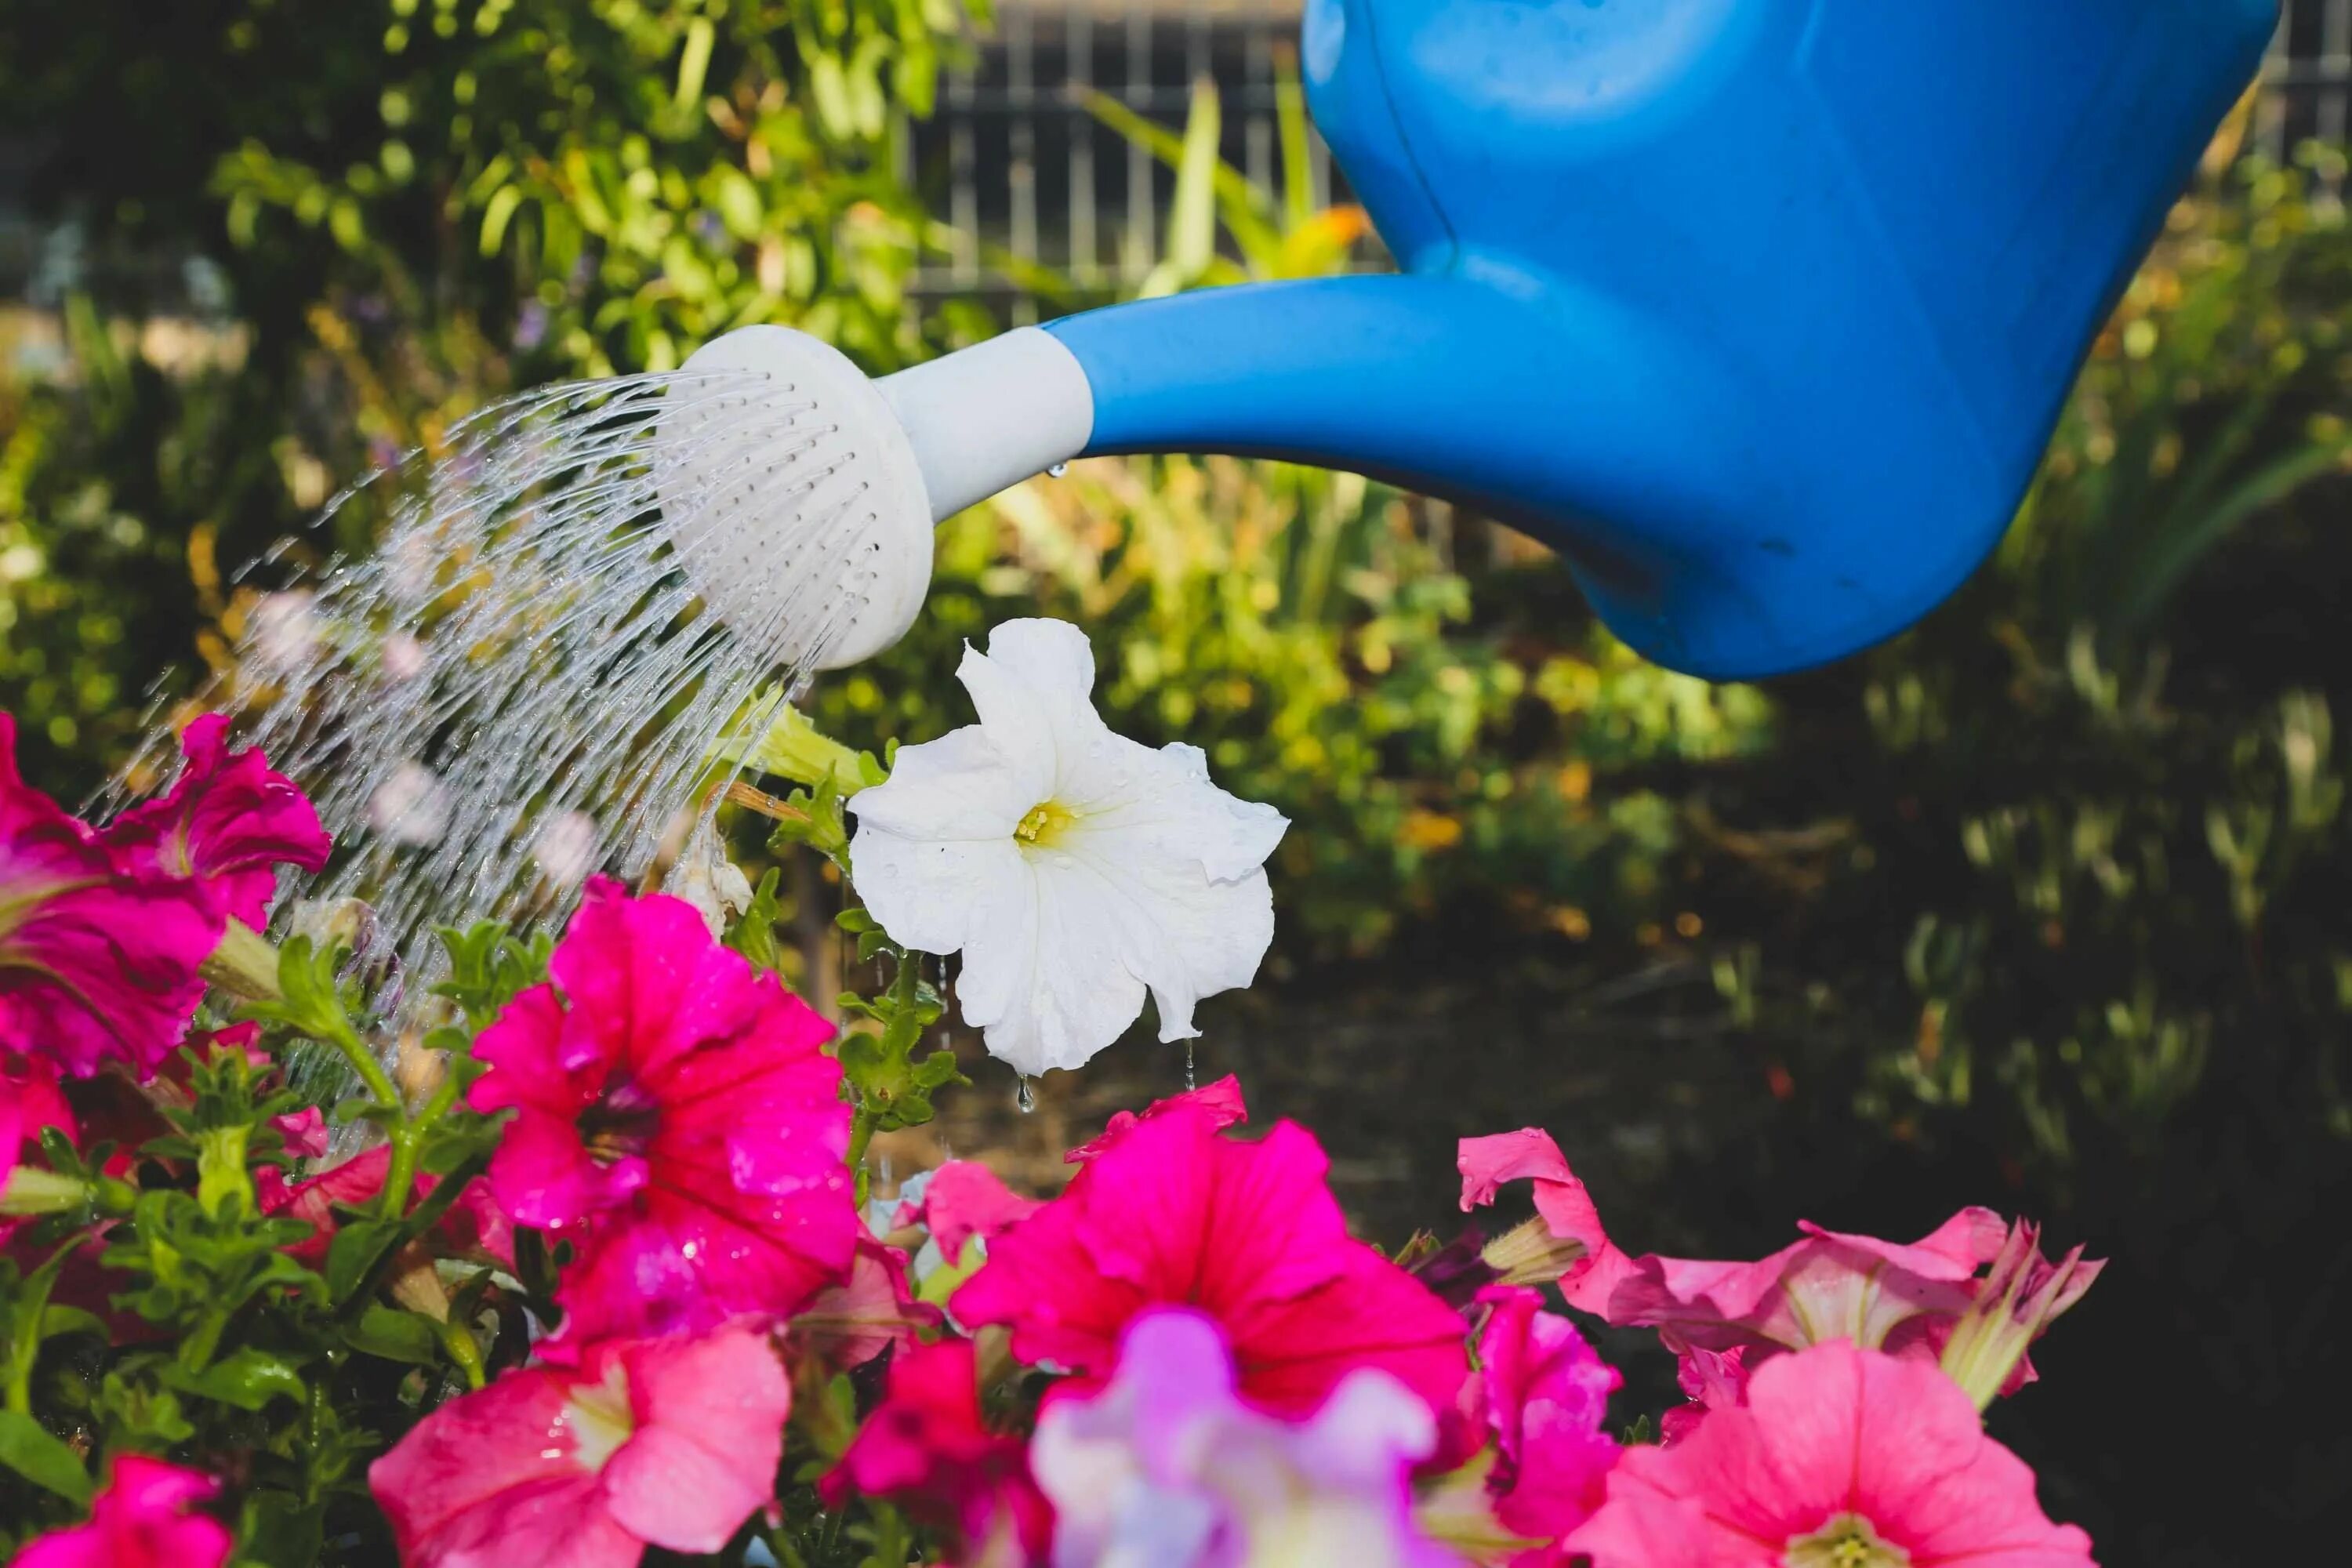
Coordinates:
(1071,868)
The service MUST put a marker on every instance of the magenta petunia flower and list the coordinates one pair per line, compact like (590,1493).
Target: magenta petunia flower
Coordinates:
(1172,1214)
(1166,1467)
(143,1518)
(927,1448)
(227,821)
(30,1102)
(675,1118)
(97,963)
(1905,1299)
(1841,1458)
(671,1443)
(1544,1395)
(1221,1099)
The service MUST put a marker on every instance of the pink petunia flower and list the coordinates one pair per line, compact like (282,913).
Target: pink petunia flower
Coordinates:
(965,1200)
(1544,1394)
(96,963)
(1166,1467)
(1710,1381)
(1221,1099)
(927,1448)
(1905,1299)
(672,1443)
(1174,1214)
(1842,1458)
(227,823)
(676,1116)
(143,1519)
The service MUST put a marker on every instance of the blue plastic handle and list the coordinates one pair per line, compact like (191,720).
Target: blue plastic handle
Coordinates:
(1760,310)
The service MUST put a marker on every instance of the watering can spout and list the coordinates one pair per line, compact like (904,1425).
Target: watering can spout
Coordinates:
(1760,312)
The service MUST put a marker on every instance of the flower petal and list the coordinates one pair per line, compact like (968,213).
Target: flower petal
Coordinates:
(709,1431)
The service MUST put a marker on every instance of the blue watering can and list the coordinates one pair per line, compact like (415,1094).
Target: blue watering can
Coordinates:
(1760,312)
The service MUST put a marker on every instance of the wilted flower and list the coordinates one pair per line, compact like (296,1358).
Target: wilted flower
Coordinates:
(848,1324)
(1903,1298)
(672,1443)
(97,963)
(1071,868)
(31,1102)
(927,1448)
(1165,1467)
(1173,1213)
(714,885)
(1841,1458)
(2017,1299)
(143,1519)
(676,1118)
(964,1201)
(227,821)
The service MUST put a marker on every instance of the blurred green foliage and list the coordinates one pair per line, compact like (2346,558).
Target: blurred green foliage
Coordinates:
(357,223)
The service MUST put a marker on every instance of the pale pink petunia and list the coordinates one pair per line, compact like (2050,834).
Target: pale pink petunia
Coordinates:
(677,1119)
(1166,1466)
(927,1448)
(1221,1099)
(144,1518)
(964,1200)
(97,963)
(671,1443)
(1174,1214)
(227,823)
(848,1324)
(1841,1458)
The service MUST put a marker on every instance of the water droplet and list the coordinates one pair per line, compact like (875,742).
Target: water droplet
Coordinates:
(1024,1096)
(1059,469)
(1189,1084)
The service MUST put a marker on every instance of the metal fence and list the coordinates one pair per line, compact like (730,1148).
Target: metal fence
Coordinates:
(1014,161)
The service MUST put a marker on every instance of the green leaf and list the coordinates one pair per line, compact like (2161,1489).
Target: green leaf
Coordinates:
(57,1321)
(247,1379)
(394,1335)
(42,1460)
(359,1244)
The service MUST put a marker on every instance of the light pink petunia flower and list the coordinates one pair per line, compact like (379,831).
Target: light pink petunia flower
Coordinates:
(1841,1458)
(676,1118)
(143,1518)
(671,1443)
(227,821)
(97,963)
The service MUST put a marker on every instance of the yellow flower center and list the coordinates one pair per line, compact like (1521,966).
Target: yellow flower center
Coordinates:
(600,1419)
(1847,1541)
(1045,823)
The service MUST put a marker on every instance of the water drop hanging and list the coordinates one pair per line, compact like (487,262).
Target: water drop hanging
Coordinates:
(1059,469)
(1025,1096)
(1189,1084)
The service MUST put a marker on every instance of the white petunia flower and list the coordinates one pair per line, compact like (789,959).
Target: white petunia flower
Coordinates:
(1071,868)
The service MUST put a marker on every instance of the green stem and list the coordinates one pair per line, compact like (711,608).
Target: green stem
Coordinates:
(458,1341)
(24,1344)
